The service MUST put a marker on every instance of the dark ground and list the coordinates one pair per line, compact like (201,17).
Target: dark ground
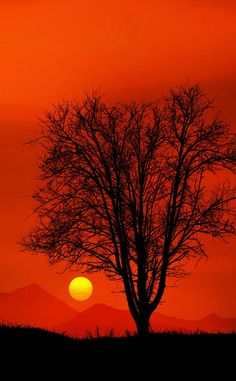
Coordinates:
(185,356)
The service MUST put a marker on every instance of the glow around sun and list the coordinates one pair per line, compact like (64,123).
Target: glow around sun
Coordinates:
(80,288)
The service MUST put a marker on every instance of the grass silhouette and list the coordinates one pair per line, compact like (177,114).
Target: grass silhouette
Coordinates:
(172,352)
(20,337)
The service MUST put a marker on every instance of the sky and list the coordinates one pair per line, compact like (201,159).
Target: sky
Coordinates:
(58,49)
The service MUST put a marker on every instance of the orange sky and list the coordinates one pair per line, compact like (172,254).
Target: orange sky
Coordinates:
(56,49)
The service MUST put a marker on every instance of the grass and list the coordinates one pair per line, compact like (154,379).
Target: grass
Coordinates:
(24,336)
(169,350)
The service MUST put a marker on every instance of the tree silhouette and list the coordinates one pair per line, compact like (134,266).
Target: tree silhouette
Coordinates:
(125,190)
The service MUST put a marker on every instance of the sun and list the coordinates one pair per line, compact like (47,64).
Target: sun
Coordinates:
(80,288)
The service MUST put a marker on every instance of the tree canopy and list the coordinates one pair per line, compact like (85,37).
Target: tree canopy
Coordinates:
(125,189)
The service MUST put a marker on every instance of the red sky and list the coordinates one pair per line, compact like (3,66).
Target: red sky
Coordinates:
(133,49)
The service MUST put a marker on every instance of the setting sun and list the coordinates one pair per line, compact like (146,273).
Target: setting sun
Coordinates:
(80,288)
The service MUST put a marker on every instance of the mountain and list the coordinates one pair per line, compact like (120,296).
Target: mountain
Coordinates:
(211,323)
(102,319)
(32,305)
(98,319)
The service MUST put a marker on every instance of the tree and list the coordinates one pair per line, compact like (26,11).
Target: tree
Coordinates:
(125,190)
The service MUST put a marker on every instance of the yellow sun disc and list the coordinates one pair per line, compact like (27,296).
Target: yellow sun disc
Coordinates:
(80,288)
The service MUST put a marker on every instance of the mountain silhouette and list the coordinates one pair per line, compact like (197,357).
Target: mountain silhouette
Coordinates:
(102,319)
(32,305)
(211,323)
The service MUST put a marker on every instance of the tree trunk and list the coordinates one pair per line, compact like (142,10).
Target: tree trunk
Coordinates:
(143,325)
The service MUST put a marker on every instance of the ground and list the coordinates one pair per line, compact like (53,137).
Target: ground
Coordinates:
(174,354)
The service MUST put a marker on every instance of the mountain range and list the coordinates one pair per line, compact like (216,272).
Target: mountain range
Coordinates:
(33,306)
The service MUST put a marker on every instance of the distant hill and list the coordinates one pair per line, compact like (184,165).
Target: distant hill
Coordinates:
(32,305)
(102,319)
(211,323)
(99,319)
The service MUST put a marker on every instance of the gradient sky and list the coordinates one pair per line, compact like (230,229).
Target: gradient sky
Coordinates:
(56,49)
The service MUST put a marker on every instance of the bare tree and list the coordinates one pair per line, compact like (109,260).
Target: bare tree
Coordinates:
(125,190)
